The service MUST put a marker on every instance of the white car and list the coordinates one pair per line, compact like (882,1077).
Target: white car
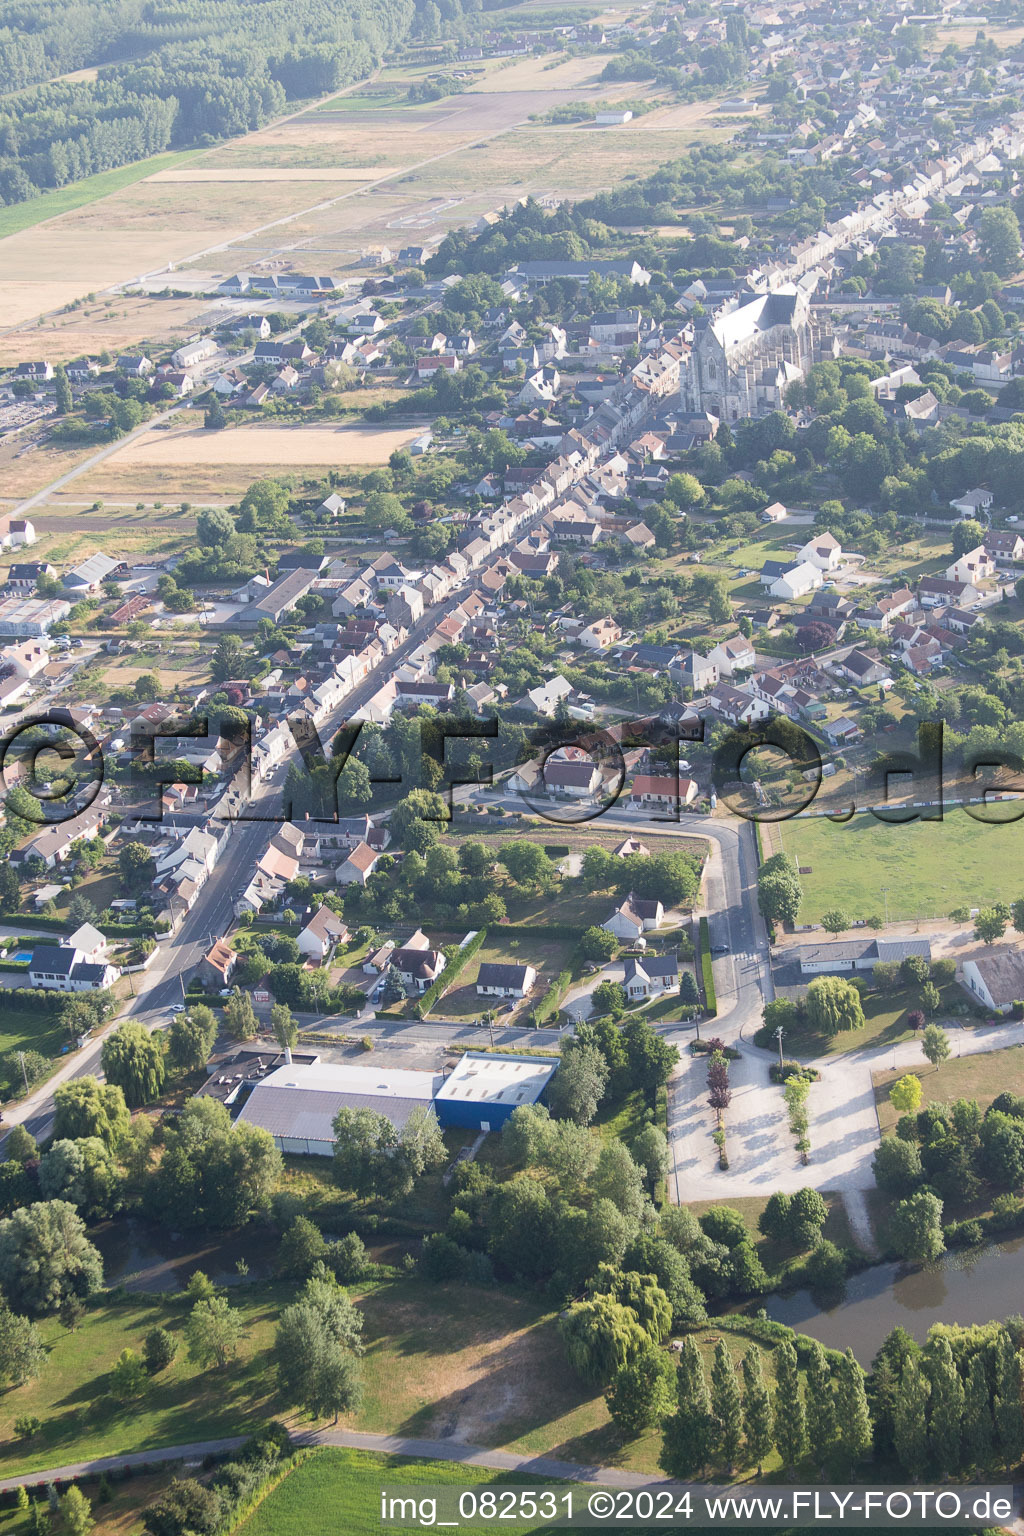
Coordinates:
(177,1007)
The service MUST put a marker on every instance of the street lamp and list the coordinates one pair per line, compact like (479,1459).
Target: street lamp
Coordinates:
(885,898)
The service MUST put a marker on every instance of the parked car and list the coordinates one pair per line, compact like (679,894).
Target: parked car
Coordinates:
(719,949)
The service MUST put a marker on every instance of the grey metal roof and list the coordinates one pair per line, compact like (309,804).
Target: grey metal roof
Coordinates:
(309,1112)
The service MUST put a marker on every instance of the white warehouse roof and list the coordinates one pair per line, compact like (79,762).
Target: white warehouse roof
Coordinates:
(513,1080)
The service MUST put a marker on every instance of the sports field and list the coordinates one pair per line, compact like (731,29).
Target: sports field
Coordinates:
(922,868)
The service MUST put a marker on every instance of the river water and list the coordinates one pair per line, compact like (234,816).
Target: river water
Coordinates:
(969,1286)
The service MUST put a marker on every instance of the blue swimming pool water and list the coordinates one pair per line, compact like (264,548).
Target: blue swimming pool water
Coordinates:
(23,954)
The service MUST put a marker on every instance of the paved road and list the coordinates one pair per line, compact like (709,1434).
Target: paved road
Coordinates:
(391,1445)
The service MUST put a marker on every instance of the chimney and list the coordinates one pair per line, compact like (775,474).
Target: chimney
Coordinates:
(287,1055)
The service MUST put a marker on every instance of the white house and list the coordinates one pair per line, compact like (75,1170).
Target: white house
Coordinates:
(497,980)
(824,552)
(732,656)
(600,635)
(358,865)
(651,975)
(996,976)
(90,943)
(324,930)
(63,968)
(973,503)
(974,566)
(633,918)
(797,582)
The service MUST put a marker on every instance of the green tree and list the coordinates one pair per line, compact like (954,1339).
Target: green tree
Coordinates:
(999,238)
(76,1512)
(45,1256)
(977,1423)
(946,1405)
(935,1044)
(905,1094)
(835,920)
(158,1350)
(758,1414)
(62,390)
(302,1247)
(133,1061)
(910,1429)
(989,925)
(650,1153)
(128,1377)
(600,1337)
(779,893)
(22,1354)
(597,944)
(190,1038)
(135,864)
(240,1016)
(85,1107)
(808,1213)
(579,1085)
(319,1339)
(373,1157)
(916,1226)
(186,1506)
(833,1004)
(20,1146)
(931,998)
(822,1428)
(790,1416)
(897,1166)
(686,1446)
(774,1220)
(852,1414)
(286,1030)
(213,1332)
(640,1395)
(967,535)
(1008,1403)
(726,1411)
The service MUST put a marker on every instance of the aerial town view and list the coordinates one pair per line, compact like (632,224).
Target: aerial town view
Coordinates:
(512,756)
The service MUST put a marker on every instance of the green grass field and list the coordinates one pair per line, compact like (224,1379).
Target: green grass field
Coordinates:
(928,867)
(28,1029)
(184,1403)
(349,1484)
(65,199)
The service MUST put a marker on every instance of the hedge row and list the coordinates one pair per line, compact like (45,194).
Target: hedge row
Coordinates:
(136,930)
(707,974)
(455,966)
(545,930)
(551,1002)
(36,997)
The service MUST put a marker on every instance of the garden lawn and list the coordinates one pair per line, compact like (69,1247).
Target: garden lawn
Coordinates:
(885,1015)
(505,947)
(182,1404)
(982,1076)
(926,867)
(24,1028)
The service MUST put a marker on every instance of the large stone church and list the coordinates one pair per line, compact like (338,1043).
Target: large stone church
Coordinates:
(744,357)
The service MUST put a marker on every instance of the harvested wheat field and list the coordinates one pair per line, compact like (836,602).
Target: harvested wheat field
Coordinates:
(119,325)
(53,264)
(288,447)
(541,75)
(277,173)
